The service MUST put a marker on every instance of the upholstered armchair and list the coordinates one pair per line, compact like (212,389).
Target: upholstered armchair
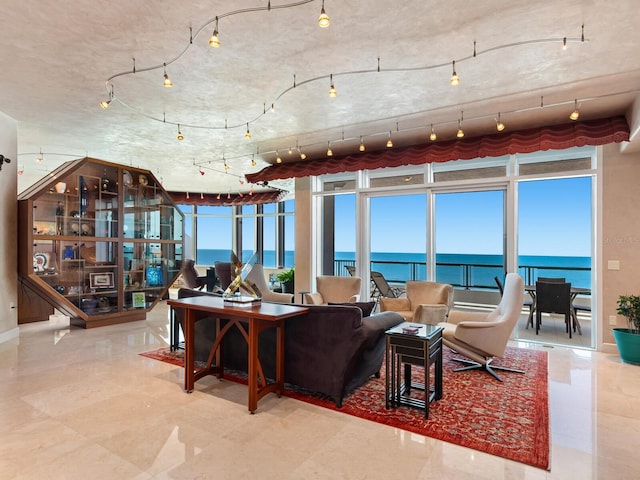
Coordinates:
(190,275)
(335,290)
(482,336)
(426,302)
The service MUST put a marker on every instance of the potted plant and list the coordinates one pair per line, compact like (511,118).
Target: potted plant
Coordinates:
(628,339)
(286,279)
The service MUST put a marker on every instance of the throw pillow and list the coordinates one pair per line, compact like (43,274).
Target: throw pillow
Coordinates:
(366,307)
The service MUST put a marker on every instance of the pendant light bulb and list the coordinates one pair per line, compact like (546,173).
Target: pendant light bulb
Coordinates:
(323,19)
(455,79)
(104,104)
(253,161)
(564,43)
(389,142)
(218,197)
(362,148)
(278,158)
(333,93)
(180,136)
(303,156)
(575,114)
(167,81)
(460,132)
(247,135)
(329,151)
(432,136)
(499,125)
(214,41)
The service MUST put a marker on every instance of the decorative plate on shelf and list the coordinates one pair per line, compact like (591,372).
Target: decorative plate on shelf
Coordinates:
(40,261)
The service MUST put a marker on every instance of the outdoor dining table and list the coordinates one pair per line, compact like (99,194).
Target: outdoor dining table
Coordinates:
(575,291)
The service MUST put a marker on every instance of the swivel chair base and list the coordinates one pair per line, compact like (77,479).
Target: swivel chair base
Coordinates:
(487,367)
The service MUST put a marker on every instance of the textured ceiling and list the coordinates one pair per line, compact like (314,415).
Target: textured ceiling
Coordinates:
(57,56)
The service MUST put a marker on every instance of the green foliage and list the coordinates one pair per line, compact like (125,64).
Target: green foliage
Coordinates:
(629,306)
(286,276)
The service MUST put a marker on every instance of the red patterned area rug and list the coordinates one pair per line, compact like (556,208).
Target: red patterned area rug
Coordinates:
(508,419)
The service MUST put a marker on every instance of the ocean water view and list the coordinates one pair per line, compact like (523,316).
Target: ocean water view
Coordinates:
(462,270)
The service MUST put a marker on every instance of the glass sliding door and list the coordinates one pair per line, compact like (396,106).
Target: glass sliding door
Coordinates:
(555,240)
(398,237)
(469,240)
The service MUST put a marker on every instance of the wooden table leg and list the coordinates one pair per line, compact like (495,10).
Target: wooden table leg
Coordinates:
(280,358)
(189,340)
(253,365)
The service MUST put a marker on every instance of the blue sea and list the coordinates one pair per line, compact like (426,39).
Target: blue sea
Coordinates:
(461,270)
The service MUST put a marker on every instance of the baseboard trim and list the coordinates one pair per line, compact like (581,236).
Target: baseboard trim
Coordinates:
(9,335)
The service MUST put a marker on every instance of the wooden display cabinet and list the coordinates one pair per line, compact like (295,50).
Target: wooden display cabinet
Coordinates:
(100,242)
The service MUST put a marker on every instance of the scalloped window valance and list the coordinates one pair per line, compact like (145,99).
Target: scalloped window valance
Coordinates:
(555,137)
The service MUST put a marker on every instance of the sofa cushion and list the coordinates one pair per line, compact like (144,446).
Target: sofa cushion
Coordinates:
(366,307)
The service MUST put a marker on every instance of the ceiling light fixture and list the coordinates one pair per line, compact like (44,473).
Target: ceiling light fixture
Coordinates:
(188,196)
(564,43)
(333,93)
(228,196)
(214,41)
(460,132)
(303,156)
(201,171)
(247,134)
(218,197)
(455,79)
(180,136)
(323,20)
(432,136)
(278,158)
(575,114)
(329,151)
(389,142)
(167,81)
(362,148)
(40,158)
(104,104)
(253,161)
(499,125)
(201,196)
(251,190)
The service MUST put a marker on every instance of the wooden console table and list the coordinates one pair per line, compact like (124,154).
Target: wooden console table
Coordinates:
(257,318)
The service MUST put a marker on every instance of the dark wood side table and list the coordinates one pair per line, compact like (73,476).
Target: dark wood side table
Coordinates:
(250,320)
(413,344)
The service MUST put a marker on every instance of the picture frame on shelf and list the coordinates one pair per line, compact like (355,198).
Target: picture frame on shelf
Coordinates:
(138,299)
(101,280)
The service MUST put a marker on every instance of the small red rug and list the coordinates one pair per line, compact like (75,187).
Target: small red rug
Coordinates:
(508,419)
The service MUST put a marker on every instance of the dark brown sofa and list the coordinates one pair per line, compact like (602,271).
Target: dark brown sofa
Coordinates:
(332,349)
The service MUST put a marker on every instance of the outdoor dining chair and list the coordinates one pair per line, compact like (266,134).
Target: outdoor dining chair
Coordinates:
(554,297)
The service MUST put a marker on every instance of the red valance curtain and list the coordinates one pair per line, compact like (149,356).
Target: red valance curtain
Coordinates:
(211,199)
(556,137)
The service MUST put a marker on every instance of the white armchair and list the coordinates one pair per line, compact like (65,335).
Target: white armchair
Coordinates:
(483,336)
(334,289)
(256,276)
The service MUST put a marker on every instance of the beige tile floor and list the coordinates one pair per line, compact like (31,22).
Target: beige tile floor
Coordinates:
(82,404)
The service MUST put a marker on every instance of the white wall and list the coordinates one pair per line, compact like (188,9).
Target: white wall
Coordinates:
(8,229)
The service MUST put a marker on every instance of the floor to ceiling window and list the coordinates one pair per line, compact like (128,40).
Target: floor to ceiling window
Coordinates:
(555,241)
(478,218)
(398,236)
(469,238)
(213,232)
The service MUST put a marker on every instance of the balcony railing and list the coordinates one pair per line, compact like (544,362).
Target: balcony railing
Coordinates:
(469,275)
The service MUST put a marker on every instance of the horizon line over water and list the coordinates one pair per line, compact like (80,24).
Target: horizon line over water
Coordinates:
(474,270)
